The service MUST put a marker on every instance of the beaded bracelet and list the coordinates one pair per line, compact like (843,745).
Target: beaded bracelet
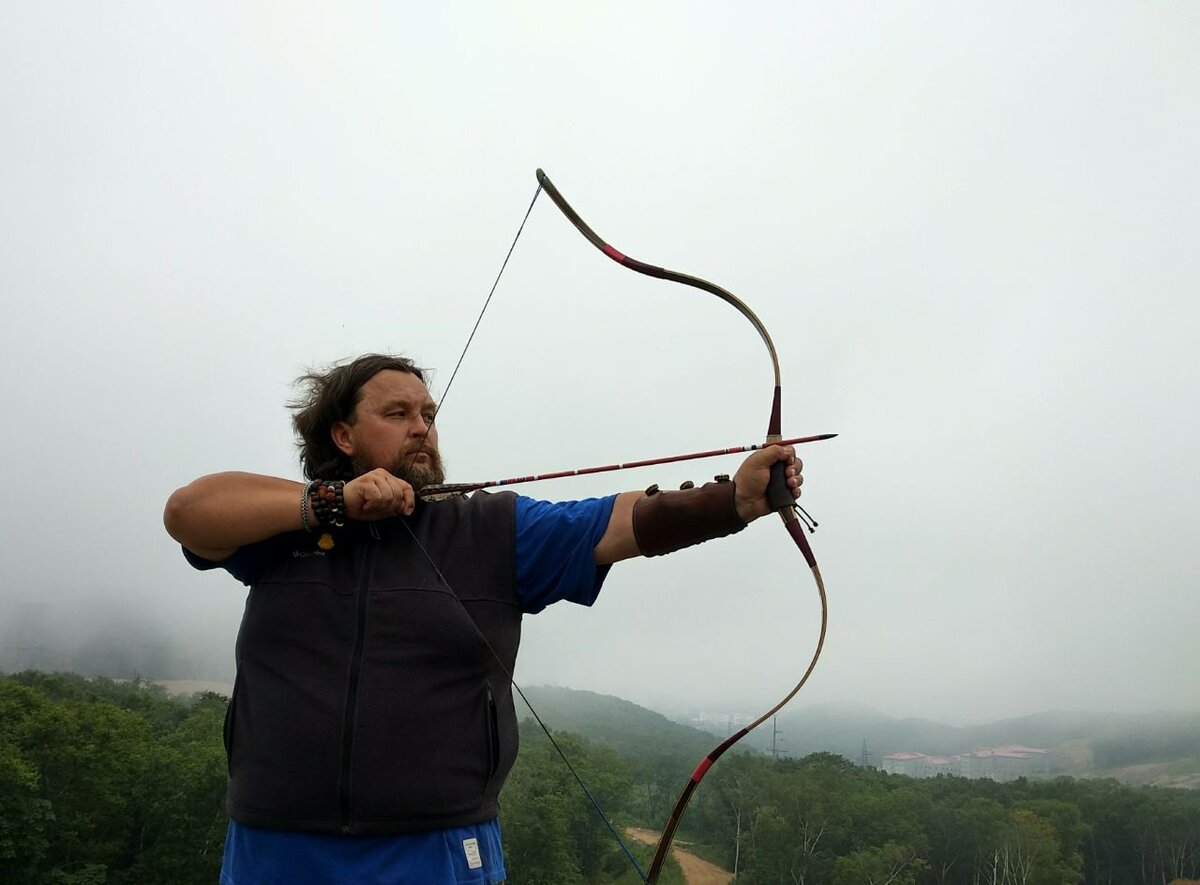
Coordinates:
(327,504)
(304,518)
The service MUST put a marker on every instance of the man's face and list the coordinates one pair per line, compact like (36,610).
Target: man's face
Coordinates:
(394,415)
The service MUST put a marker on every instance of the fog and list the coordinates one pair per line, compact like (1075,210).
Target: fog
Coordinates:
(970,228)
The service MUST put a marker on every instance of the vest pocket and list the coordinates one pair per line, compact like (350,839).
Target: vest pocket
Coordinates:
(493,738)
(227,728)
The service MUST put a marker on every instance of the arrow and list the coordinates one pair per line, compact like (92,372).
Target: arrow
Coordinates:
(449,490)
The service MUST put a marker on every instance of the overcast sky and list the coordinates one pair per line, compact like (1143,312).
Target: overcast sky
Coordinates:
(971,229)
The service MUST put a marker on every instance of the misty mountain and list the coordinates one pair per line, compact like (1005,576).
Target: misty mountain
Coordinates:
(1153,748)
(623,725)
(1166,745)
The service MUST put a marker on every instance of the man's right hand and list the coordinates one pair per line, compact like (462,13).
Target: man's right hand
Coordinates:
(215,515)
(377,495)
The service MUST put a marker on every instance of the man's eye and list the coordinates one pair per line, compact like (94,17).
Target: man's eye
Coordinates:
(429,417)
(397,414)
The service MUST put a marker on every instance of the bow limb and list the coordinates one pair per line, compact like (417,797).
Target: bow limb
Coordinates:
(774,433)
(778,495)
(796,530)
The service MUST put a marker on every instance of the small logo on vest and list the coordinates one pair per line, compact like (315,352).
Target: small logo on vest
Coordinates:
(325,542)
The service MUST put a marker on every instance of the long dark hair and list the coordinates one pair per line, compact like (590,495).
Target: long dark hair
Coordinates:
(326,398)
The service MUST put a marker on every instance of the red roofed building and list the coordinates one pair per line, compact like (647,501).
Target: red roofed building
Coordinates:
(903,763)
(1005,763)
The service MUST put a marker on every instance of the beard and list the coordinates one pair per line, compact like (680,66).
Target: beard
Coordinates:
(417,474)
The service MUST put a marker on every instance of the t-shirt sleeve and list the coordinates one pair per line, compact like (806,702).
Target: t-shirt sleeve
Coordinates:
(554,550)
(247,563)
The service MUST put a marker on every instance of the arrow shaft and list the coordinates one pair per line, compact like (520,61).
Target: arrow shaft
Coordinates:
(436,491)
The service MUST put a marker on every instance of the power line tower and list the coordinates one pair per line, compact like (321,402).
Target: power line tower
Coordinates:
(775,733)
(865,759)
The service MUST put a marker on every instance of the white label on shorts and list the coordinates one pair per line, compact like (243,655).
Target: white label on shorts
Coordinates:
(471,850)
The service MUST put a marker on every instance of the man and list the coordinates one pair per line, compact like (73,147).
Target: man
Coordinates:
(372,726)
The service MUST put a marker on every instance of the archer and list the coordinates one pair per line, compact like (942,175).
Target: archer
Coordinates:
(372,724)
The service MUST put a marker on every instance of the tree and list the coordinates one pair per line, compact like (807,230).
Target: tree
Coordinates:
(1070,830)
(552,834)
(25,817)
(771,856)
(181,822)
(1028,854)
(960,834)
(887,864)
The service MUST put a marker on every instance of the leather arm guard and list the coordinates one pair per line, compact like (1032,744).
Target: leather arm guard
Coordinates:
(664,522)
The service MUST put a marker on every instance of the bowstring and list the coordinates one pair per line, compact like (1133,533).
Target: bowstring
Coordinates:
(512,681)
(478,320)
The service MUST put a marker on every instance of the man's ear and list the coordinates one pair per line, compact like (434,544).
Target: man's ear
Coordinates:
(342,437)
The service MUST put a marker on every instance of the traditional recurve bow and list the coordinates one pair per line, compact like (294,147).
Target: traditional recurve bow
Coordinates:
(778,495)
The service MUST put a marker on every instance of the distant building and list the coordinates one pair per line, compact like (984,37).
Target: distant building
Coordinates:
(1005,763)
(903,763)
(1002,764)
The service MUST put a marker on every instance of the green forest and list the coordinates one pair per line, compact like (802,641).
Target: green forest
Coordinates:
(115,782)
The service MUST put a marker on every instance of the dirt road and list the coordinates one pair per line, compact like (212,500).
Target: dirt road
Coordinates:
(695,870)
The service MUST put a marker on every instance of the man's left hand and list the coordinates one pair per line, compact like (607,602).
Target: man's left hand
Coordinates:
(754,474)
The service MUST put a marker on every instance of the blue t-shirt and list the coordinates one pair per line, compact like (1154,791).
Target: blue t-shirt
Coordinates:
(554,544)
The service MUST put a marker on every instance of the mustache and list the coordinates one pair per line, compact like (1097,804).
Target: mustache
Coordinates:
(425,444)
(407,467)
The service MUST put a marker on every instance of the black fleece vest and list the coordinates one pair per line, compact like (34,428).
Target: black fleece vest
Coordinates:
(367,700)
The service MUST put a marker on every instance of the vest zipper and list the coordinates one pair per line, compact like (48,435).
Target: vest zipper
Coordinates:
(360,630)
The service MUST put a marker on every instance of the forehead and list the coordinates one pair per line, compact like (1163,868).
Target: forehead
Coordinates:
(390,385)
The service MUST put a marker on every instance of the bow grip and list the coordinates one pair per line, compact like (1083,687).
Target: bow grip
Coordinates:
(779,496)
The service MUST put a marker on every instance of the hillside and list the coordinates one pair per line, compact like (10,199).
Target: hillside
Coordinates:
(622,725)
(1157,748)
(1161,749)
(119,782)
